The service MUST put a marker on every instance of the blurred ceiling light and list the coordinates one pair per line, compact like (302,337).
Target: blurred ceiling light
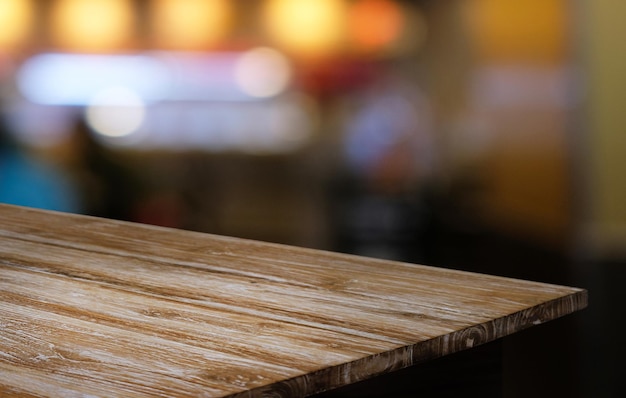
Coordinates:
(73,79)
(92,25)
(190,24)
(198,76)
(307,27)
(16,17)
(262,72)
(374,24)
(116,112)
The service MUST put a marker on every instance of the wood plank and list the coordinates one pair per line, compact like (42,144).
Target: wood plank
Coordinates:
(106,308)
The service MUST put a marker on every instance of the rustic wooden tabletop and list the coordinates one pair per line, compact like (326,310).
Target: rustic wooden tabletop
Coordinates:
(95,307)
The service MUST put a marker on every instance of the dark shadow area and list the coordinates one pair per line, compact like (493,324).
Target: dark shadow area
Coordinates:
(470,373)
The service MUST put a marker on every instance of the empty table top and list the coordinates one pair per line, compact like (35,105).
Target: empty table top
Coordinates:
(96,307)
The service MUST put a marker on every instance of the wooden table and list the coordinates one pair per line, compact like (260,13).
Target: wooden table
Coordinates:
(94,307)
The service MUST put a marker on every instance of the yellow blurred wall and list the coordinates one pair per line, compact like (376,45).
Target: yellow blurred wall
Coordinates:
(524,46)
(604,53)
(525,31)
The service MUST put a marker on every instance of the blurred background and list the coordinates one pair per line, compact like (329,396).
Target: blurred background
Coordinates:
(483,135)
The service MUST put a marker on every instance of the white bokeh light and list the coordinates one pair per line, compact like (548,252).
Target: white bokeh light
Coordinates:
(116,112)
(73,79)
(263,72)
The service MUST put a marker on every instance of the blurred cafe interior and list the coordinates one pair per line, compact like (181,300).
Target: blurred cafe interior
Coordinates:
(484,135)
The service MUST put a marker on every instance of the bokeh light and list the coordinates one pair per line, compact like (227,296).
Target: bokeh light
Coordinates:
(116,112)
(306,27)
(263,72)
(16,17)
(190,24)
(73,79)
(375,24)
(92,25)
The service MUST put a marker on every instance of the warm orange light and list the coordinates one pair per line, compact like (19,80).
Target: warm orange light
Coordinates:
(314,27)
(375,24)
(515,30)
(16,18)
(92,25)
(190,24)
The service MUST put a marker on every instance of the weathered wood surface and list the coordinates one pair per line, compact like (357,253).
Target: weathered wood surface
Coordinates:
(93,307)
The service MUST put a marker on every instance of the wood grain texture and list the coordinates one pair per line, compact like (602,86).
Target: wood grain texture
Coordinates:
(92,307)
